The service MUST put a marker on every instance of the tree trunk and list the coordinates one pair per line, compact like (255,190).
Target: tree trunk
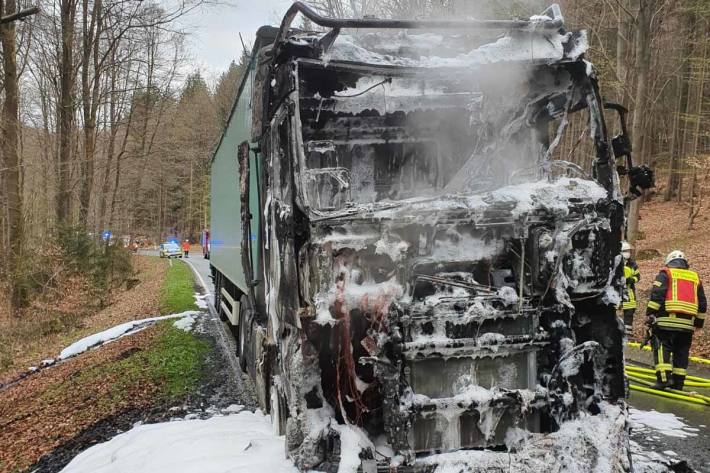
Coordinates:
(111,149)
(700,94)
(643,61)
(66,110)
(189,205)
(91,30)
(676,146)
(622,54)
(674,151)
(11,155)
(695,195)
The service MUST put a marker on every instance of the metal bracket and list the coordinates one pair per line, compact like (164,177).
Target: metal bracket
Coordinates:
(555,21)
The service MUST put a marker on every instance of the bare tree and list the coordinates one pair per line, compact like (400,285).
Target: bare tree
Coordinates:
(66,108)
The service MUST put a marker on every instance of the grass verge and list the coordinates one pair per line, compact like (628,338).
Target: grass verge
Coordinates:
(172,363)
(158,366)
(178,290)
(59,411)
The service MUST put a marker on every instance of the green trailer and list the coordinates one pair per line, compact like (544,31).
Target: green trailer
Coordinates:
(227,231)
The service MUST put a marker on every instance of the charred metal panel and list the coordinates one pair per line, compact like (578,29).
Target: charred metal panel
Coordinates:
(436,277)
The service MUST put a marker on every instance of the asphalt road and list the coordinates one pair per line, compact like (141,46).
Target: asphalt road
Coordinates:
(200,265)
(695,447)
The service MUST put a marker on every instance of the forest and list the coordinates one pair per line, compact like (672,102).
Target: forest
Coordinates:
(107,124)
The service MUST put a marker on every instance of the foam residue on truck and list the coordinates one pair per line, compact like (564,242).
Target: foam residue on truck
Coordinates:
(438,280)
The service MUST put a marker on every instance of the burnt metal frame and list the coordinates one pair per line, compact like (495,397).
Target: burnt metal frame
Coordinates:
(553,13)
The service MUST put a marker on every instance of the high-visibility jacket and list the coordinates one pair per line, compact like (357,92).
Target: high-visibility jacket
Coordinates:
(633,276)
(677,299)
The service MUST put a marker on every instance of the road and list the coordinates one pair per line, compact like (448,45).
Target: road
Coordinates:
(691,443)
(202,268)
(694,446)
(198,263)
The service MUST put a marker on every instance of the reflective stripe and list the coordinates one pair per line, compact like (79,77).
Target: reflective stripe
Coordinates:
(680,371)
(700,316)
(682,293)
(654,305)
(630,274)
(677,319)
(631,277)
(687,274)
(631,302)
(663,322)
(662,367)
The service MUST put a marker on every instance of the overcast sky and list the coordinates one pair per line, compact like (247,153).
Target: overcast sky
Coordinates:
(214,39)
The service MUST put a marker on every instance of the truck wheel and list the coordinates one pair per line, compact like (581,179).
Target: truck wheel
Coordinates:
(277,408)
(218,296)
(244,326)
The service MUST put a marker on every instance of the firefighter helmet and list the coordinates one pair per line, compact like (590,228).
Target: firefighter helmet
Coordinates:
(675,254)
(626,250)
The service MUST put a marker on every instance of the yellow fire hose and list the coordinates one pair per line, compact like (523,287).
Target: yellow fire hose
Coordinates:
(693,384)
(644,377)
(669,395)
(694,359)
(676,392)
(647,373)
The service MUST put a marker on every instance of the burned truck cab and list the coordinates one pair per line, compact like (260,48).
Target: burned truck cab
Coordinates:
(441,228)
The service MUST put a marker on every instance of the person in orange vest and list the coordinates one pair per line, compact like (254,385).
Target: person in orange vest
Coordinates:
(676,307)
(186,248)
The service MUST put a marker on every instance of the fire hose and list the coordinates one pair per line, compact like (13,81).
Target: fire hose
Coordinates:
(669,394)
(649,374)
(644,379)
(694,359)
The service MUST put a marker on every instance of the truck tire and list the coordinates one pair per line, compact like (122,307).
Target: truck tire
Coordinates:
(277,408)
(244,327)
(218,296)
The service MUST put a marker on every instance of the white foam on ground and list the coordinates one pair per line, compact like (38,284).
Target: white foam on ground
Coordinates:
(242,442)
(201,300)
(114,333)
(185,323)
(662,422)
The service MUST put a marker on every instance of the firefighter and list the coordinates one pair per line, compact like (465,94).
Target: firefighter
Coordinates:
(676,307)
(186,248)
(632,275)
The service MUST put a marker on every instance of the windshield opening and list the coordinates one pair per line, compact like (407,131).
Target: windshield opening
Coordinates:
(377,139)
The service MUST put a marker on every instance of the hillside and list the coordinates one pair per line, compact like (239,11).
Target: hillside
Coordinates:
(664,227)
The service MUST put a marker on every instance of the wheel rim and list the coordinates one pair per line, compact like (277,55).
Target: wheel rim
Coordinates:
(274,402)
(242,328)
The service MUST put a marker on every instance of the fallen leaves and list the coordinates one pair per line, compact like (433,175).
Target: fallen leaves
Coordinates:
(44,330)
(664,228)
(57,404)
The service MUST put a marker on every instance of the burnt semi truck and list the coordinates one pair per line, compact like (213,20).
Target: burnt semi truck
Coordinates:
(416,231)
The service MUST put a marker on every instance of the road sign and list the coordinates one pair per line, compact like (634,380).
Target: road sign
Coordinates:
(106,235)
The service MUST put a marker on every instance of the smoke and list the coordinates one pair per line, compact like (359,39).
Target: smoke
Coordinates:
(485,124)
(413,9)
